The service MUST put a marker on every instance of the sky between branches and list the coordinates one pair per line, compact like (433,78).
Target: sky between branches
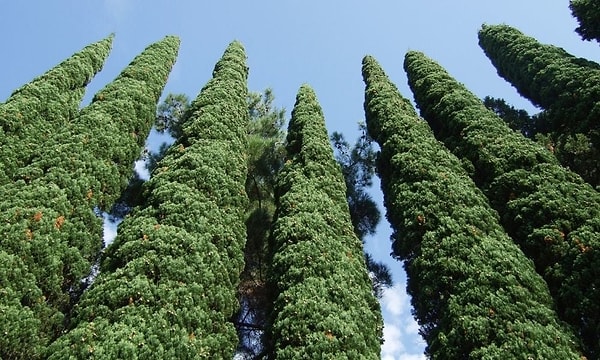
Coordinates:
(290,43)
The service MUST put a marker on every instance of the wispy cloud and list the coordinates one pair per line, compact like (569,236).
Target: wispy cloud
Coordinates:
(401,332)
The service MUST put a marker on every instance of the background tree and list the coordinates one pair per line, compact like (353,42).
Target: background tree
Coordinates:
(566,87)
(516,119)
(167,284)
(358,167)
(323,303)
(266,151)
(51,233)
(550,211)
(587,13)
(473,291)
(48,103)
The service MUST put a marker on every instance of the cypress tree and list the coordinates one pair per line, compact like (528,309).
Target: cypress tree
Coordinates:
(548,210)
(587,13)
(51,235)
(474,292)
(323,304)
(567,87)
(48,103)
(167,286)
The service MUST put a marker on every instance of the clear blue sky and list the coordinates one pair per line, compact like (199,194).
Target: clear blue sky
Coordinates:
(290,43)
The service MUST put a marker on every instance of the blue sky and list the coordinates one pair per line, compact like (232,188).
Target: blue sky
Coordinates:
(290,43)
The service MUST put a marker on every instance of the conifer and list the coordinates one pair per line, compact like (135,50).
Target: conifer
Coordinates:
(51,235)
(323,303)
(474,292)
(548,210)
(566,87)
(167,286)
(49,102)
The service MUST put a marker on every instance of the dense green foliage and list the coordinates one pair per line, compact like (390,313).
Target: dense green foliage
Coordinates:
(51,235)
(516,119)
(587,12)
(474,293)
(550,211)
(323,304)
(167,287)
(566,87)
(35,111)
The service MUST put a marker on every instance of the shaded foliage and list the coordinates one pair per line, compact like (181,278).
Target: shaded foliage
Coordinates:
(323,304)
(266,153)
(474,293)
(587,13)
(167,284)
(548,210)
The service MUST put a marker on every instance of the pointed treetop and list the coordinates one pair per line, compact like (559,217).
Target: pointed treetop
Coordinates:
(377,83)
(74,72)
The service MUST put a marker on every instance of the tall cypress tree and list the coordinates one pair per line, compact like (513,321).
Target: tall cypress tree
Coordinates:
(474,293)
(567,87)
(323,304)
(587,13)
(33,112)
(51,235)
(550,211)
(167,287)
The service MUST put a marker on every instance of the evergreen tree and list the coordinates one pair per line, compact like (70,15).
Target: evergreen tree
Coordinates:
(567,87)
(46,104)
(587,13)
(516,119)
(474,293)
(323,304)
(51,235)
(550,211)
(266,153)
(358,167)
(167,286)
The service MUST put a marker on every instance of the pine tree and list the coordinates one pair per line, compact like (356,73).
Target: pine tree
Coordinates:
(48,103)
(474,293)
(567,87)
(323,303)
(550,211)
(51,235)
(587,13)
(167,286)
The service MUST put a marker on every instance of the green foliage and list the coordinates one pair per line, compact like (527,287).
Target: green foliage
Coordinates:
(542,206)
(170,113)
(323,304)
(167,286)
(48,220)
(474,293)
(46,104)
(266,153)
(567,87)
(587,13)
(518,120)
(358,167)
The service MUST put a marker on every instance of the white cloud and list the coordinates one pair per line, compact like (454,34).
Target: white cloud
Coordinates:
(396,300)
(392,336)
(140,168)
(401,332)
(110,230)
